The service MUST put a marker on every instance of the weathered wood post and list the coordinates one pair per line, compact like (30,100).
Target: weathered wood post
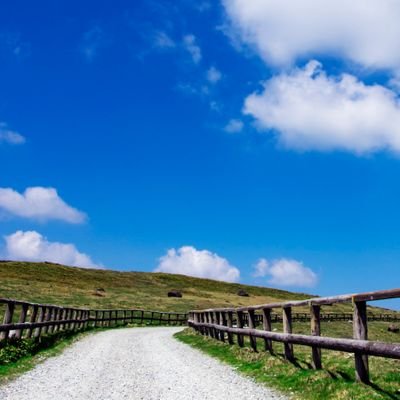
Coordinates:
(210,321)
(202,320)
(221,322)
(47,319)
(56,317)
(360,332)
(67,316)
(81,316)
(21,320)
(287,328)
(196,321)
(215,320)
(96,318)
(32,319)
(229,323)
(252,325)
(315,311)
(267,326)
(239,317)
(8,317)
(63,317)
(42,317)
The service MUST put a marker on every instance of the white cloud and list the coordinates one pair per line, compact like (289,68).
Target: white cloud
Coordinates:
(261,268)
(190,45)
(39,203)
(234,126)
(213,75)
(32,246)
(364,31)
(10,137)
(285,272)
(163,41)
(311,110)
(200,263)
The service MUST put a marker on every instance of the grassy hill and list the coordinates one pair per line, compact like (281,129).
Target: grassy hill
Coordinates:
(58,284)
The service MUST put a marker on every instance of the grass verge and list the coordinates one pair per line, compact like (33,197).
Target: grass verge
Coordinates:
(335,381)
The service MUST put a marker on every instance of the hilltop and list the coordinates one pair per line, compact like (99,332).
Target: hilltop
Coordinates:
(59,284)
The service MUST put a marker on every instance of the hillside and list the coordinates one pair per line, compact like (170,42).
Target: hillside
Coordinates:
(57,284)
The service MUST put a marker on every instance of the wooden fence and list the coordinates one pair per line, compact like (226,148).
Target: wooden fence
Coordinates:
(224,323)
(325,317)
(25,320)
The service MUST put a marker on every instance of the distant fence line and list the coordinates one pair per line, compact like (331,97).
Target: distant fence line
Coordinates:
(223,323)
(24,319)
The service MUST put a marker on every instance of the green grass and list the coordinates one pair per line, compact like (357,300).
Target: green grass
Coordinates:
(61,285)
(76,287)
(335,381)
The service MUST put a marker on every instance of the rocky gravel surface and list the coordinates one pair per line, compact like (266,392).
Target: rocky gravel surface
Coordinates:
(136,363)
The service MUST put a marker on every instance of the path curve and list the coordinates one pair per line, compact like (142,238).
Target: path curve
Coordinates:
(135,363)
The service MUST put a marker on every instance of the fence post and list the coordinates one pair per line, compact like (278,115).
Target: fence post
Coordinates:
(42,316)
(221,322)
(287,328)
(8,317)
(239,324)
(315,311)
(252,325)
(229,323)
(267,326)
(360,332)
(32,319)
(210,321)
(21,320)
(56,317)
(202,320)
(47,318)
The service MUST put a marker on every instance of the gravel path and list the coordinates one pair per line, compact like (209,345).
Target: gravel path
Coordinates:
(137,363)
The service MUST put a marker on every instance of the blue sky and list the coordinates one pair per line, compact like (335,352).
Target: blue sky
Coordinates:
(204,138)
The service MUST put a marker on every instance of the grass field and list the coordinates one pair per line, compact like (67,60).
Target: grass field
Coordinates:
(56,284)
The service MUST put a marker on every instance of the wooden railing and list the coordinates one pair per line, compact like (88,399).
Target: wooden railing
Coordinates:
(224,323)
(25,320)
(330,316)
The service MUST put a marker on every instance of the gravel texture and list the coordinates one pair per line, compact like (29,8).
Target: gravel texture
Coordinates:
(136,363)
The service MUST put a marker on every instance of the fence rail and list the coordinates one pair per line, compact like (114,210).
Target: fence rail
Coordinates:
(24,319)
(331,317)
(224,323)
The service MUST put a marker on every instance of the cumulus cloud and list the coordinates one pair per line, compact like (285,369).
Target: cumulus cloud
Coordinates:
(200,263)
(39,203)
(234,126)
(213,75)
(285,272)
(9,136)
(311,110)
(261,268)
(363,31)
(32,246)
(190,45)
